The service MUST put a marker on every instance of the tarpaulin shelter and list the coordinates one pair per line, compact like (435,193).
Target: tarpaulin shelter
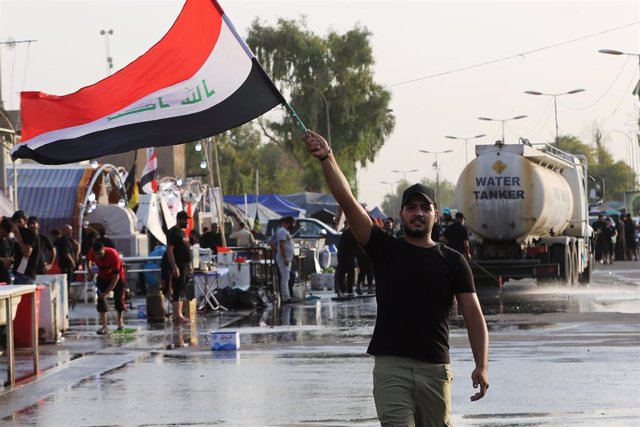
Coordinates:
(377,213)
(271,201)
(60,195)
(312,202)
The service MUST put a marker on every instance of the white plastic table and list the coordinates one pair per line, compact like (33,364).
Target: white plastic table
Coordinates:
(7,295)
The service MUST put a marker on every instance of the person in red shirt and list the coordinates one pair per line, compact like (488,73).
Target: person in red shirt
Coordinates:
(110,278)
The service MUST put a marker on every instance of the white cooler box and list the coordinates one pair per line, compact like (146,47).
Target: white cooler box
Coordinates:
(240,275)
(62,306)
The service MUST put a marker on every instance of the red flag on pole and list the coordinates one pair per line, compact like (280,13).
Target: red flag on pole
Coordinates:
(199,80)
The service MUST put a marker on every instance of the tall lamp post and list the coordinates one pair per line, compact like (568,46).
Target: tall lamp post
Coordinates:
(404,173)
(632,159)
(107,53)
(555,103)
(489,119)
(466,144)
(390,184)
(636,91)
(436,166)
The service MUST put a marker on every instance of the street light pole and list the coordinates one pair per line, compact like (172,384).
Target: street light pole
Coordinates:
(107,53)
(555,103)
(404,173)
(390,184)
(436,167)
(466,144)
(632,160)
(489,119)
(636,91)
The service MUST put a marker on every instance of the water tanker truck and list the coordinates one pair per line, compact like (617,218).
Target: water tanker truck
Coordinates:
(527,208)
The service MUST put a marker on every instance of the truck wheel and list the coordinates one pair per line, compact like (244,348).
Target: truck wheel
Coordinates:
(574,266)
(587,275)
(561,254)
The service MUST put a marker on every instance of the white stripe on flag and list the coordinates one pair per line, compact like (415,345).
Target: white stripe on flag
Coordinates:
(220,77)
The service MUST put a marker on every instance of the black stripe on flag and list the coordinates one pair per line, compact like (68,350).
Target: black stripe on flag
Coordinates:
(253,98)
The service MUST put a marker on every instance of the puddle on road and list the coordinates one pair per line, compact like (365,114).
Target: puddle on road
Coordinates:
(528,298)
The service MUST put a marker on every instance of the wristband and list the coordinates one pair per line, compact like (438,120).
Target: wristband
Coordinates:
(322,159)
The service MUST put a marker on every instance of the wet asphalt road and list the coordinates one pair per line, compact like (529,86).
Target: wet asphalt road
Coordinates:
(559,356)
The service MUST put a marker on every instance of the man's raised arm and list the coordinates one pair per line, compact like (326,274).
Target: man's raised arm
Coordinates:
(358,218)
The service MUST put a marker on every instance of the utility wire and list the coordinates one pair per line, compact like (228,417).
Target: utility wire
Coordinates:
(601,96)
(624,95)
(506,58)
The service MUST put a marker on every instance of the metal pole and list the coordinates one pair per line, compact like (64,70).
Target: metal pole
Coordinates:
(109,60)
(466,151)
(555,108)
(15,179)
(220,212)
(503,131)
(437,178)
(1,102)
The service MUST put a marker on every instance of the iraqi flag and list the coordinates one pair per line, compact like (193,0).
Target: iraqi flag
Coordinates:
(199,80)
(148,181)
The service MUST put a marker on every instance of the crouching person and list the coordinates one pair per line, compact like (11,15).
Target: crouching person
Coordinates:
(110,278)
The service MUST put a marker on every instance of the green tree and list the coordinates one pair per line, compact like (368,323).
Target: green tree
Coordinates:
(324,76)
(617,175)
(242,154)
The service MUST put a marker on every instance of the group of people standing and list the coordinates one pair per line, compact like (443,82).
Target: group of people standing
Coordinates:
(351,256)
(615,238)
(25,252)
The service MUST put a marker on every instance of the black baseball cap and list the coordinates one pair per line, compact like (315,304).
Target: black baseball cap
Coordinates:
(420,189)
(182,215)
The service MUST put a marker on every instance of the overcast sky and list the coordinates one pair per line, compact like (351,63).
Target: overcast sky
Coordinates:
(418,46)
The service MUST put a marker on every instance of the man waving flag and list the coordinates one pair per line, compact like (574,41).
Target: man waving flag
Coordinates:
(199,80)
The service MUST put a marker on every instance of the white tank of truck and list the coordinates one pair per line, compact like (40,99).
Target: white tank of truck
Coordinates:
(506,196)
(528,209)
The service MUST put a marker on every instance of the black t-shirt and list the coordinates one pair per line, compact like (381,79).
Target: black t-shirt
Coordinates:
(607,231)
(415,287)
(209,240)
(181,248)
(456,234)
(5,252)
(88,237)
(347,246)
(64,247)
(46,248)
(29,237)
(630,229)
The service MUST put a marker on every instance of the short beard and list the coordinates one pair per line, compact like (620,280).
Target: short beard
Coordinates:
(416,233)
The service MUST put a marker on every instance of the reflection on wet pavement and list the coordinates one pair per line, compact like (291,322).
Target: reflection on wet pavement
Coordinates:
(553,349)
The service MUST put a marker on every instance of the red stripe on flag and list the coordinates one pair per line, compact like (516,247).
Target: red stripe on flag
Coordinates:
(165,64)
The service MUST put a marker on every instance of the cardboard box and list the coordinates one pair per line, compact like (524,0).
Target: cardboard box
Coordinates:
(189,309)
(228,340)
